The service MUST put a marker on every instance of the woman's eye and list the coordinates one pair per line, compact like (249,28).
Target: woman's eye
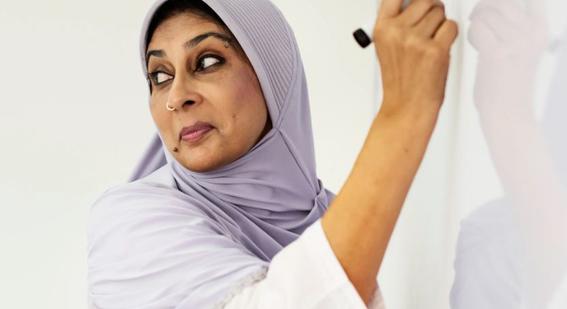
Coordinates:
(207,61)
(160,77)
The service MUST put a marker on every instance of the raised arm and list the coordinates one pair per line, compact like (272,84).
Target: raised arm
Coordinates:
(413,48)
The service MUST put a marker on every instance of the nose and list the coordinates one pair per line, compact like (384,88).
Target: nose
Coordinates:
(181,94)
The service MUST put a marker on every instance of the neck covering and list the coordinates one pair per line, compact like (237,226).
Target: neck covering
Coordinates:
(267,198)
(173,238)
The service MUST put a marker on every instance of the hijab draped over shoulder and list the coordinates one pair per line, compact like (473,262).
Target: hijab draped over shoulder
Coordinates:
(172,237)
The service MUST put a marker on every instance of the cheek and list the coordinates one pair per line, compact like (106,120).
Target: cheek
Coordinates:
(249,108)
(162,120)
(157,115)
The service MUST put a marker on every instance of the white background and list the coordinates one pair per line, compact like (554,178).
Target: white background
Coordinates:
(74,121)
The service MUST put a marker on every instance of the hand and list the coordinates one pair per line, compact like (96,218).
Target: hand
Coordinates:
(413,49)
(504,30)
(510,41)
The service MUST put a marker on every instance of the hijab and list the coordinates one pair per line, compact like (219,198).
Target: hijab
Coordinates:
(187,237)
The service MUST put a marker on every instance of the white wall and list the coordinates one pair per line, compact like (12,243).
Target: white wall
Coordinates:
(74,120)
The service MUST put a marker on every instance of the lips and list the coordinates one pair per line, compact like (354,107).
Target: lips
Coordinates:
(194,132)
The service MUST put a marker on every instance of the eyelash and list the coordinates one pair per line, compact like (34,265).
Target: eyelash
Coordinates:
(153,76)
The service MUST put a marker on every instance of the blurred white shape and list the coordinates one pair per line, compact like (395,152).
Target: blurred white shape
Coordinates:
(512,253)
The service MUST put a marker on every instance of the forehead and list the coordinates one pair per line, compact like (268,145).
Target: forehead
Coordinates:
(183,26)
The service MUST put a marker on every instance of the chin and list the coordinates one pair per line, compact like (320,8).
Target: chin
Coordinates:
(206,157)
(199,167)
(201,164)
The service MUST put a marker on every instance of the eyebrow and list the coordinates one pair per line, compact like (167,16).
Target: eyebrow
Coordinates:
(190,44)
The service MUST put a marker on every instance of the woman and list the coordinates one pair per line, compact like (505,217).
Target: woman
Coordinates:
(225,208)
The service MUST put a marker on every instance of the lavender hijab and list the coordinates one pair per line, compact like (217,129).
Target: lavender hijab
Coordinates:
(179,239)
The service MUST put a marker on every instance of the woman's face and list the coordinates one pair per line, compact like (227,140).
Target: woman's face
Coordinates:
(209,81)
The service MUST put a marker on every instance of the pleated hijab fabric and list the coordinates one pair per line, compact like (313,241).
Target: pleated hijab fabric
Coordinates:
(173,237)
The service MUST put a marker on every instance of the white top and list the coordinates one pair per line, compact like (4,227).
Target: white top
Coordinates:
(306,269)
(305,274)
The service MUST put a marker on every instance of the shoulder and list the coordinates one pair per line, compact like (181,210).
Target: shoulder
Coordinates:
(149,245)
(488,249)
(490,224)
(488,259)
(130,210)
(157,191)
(156,184)
(489,237)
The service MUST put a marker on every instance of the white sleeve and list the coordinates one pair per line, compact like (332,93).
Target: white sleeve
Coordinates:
(304,274)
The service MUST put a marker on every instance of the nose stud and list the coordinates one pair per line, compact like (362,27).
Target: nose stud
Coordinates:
(171,109)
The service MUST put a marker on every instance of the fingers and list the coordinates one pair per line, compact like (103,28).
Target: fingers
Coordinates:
(483,38)
(431,22)
(390,8)
(447,33)
(417,10)
(425,18)
(502,27)
(508,10)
